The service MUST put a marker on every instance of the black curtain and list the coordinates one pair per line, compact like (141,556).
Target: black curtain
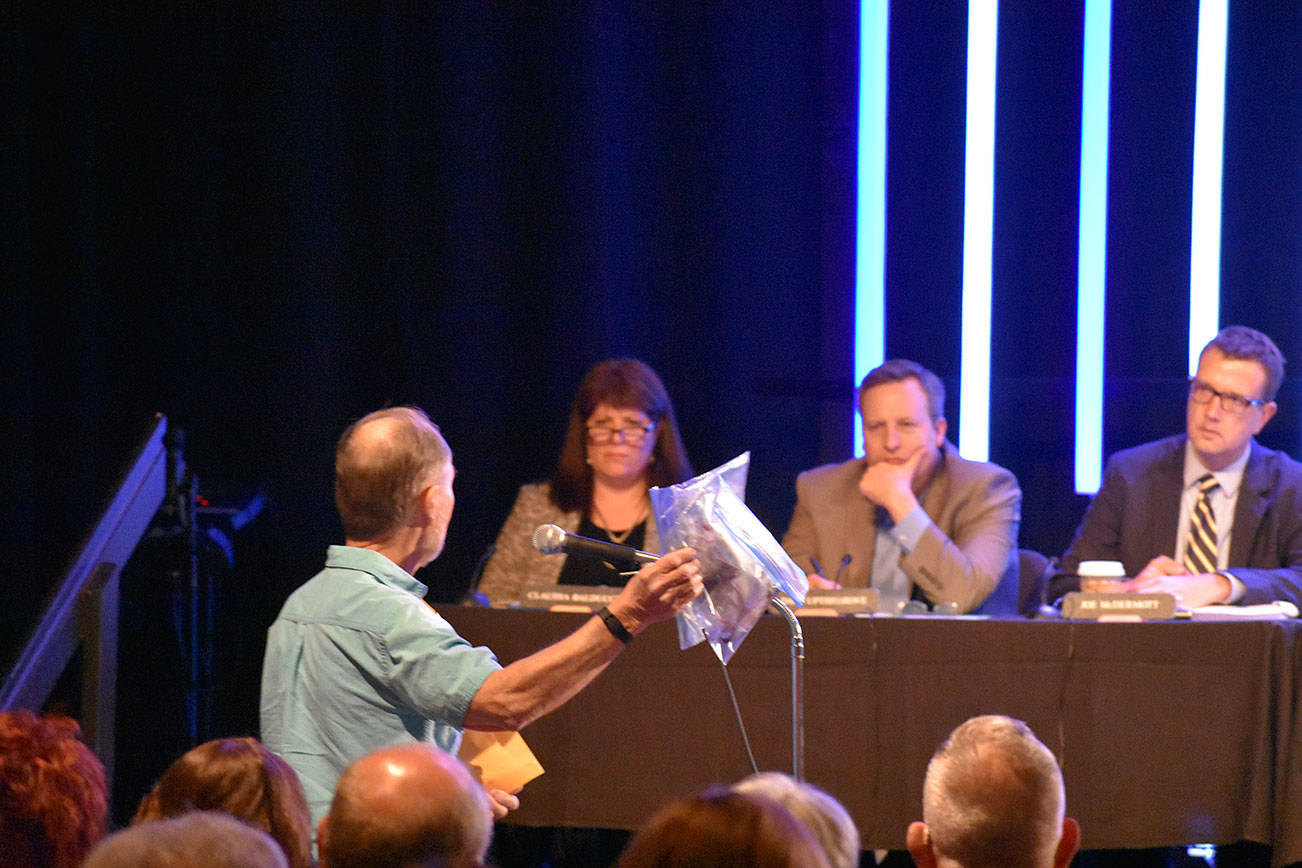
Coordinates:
(267,225)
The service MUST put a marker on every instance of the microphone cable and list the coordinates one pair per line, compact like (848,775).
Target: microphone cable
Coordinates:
(736,710)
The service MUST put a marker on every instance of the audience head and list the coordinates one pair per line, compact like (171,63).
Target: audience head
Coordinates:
(408,805)
(53,797)
(242,778)
(199,839)
(620,385)
(723,828)
(993,796)
(819,811)
(393,470)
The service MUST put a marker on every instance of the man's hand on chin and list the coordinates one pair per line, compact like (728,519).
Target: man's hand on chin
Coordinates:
(1191,592)
(890,485)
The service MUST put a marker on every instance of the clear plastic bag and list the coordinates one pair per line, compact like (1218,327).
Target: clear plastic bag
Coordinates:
(741,562)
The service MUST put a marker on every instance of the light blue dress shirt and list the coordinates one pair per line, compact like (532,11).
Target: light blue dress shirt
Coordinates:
(894,541)
(356,661)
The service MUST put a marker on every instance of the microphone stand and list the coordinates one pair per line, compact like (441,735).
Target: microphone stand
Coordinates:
(550,539)
(797,688)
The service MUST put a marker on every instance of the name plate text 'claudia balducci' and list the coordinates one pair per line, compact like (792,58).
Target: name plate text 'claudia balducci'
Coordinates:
(568,598)
(583,598)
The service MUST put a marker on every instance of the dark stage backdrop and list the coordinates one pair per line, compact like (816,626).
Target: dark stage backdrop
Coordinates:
(267,226)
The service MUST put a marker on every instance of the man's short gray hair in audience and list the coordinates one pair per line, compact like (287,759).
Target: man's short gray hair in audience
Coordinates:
(993,796)
(200,839)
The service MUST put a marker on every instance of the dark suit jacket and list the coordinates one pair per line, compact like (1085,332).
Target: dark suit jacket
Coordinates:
(967,555)
(1135,517)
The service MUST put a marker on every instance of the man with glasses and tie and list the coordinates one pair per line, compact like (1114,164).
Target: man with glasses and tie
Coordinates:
(1210,515)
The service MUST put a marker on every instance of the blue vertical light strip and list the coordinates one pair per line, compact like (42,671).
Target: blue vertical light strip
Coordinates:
(870,207)
(1208,149)
(978,229)
(1091,262)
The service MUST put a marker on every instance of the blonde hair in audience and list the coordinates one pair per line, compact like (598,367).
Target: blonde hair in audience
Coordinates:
(200,838)
(821,813)
(722,828)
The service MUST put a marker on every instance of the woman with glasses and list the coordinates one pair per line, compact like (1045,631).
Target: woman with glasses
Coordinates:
(621,440)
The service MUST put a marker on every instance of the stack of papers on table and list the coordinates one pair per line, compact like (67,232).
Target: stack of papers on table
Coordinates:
(1276,611)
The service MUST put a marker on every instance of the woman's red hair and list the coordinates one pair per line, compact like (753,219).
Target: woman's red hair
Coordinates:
(53,796)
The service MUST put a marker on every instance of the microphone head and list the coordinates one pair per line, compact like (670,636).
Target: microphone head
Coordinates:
(548,538)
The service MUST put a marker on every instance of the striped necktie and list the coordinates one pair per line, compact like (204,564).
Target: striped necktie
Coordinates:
(1200,550)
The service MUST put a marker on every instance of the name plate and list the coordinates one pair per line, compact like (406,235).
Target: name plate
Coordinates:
(839,601)
(1118,607)
(568,598)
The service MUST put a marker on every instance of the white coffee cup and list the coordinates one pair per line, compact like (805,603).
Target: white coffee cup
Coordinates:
(1101,577)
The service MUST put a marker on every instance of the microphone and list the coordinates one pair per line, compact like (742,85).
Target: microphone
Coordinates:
(845,562)
(552,540)
(474,596)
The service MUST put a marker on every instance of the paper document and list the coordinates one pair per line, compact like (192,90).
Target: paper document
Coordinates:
(1276,611)
(499,760)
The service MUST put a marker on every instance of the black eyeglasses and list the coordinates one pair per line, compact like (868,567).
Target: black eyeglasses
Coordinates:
(1201,393)
(634,435)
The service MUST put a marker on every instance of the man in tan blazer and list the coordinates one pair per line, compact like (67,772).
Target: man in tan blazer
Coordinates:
(911,518)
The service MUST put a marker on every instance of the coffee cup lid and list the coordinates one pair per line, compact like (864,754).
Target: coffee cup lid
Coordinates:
(1101,569)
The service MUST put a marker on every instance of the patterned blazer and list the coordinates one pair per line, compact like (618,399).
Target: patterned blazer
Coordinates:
(516,564)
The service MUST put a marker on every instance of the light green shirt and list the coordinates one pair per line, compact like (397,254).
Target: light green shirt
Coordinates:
(357,661)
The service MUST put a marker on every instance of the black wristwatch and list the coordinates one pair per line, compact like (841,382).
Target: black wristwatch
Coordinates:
(614,625)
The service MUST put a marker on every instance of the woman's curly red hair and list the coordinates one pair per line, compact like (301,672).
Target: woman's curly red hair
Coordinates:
(53,796)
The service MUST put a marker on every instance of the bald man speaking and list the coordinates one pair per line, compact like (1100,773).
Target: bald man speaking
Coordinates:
(357,660)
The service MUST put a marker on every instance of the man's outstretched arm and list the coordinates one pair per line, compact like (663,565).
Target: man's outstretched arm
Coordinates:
(518,694)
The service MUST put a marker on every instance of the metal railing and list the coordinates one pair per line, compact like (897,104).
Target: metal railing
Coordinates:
(84,610)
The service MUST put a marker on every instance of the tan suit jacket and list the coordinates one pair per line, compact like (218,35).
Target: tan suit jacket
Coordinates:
(967,555)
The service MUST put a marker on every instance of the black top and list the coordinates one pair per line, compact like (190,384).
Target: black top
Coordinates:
(587,570)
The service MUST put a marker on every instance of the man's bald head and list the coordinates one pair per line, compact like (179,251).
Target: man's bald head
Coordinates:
(408,805)
(993,795)
(382,463)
